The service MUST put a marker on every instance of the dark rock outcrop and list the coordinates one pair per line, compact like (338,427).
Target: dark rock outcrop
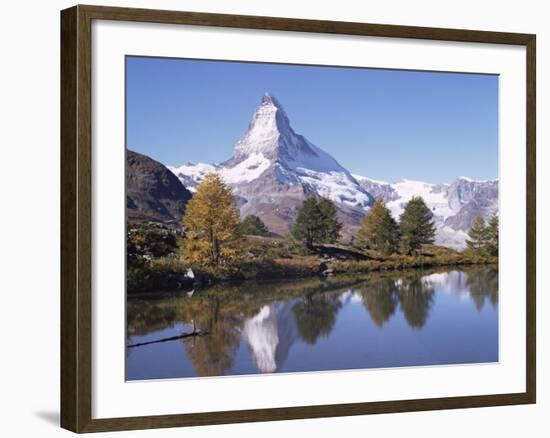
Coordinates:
(152,191)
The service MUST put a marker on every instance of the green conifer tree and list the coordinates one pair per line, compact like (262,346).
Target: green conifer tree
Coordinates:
(316,222)
(478,237)
(330,230)
(389,234)
(253,226)
(416,226)
(492,238)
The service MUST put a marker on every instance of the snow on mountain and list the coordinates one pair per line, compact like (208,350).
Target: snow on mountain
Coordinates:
(434,196)
(378,189)
(192,174)
(270,134)
(270,141)
(247,170)
(270,334)
(454,206)
(260,333)
(273,169)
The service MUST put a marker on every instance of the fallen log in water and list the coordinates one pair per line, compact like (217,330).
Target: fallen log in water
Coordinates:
(171,338)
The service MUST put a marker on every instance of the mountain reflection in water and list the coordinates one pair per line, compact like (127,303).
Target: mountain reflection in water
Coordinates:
(405,318)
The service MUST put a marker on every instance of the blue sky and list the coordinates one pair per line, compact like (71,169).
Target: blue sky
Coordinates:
(384,124)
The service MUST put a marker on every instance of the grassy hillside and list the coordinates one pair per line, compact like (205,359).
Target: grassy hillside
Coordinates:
(290,258)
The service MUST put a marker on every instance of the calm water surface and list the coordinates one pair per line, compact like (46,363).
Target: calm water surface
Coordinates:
(380,320)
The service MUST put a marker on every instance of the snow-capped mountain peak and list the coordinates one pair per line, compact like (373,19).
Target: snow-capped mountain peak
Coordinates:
(269,125)
(293,159)
(271,135)
(270,100)
(273,169)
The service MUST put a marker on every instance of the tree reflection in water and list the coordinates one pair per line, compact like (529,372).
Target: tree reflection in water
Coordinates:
(269,318)
(415,299)
(380,299)
(483,285)
(212,355)
(315,315)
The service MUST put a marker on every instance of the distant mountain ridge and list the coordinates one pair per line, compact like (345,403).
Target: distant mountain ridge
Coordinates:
(454,206)
(273,169)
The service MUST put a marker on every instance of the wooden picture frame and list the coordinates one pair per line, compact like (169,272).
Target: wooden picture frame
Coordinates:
(76,217)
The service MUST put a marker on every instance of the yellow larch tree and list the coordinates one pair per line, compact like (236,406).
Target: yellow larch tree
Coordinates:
(211,224)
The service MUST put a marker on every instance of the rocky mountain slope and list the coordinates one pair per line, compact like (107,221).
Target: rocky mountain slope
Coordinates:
(273,169)
(152,191)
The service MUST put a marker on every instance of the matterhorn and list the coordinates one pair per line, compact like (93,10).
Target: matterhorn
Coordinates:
(273,169)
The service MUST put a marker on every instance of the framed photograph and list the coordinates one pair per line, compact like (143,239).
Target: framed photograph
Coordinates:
(271,218)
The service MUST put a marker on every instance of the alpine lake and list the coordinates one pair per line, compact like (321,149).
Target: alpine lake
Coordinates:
(379,320)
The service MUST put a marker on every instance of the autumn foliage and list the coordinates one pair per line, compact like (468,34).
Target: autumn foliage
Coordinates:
(211,225)
(379,230)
